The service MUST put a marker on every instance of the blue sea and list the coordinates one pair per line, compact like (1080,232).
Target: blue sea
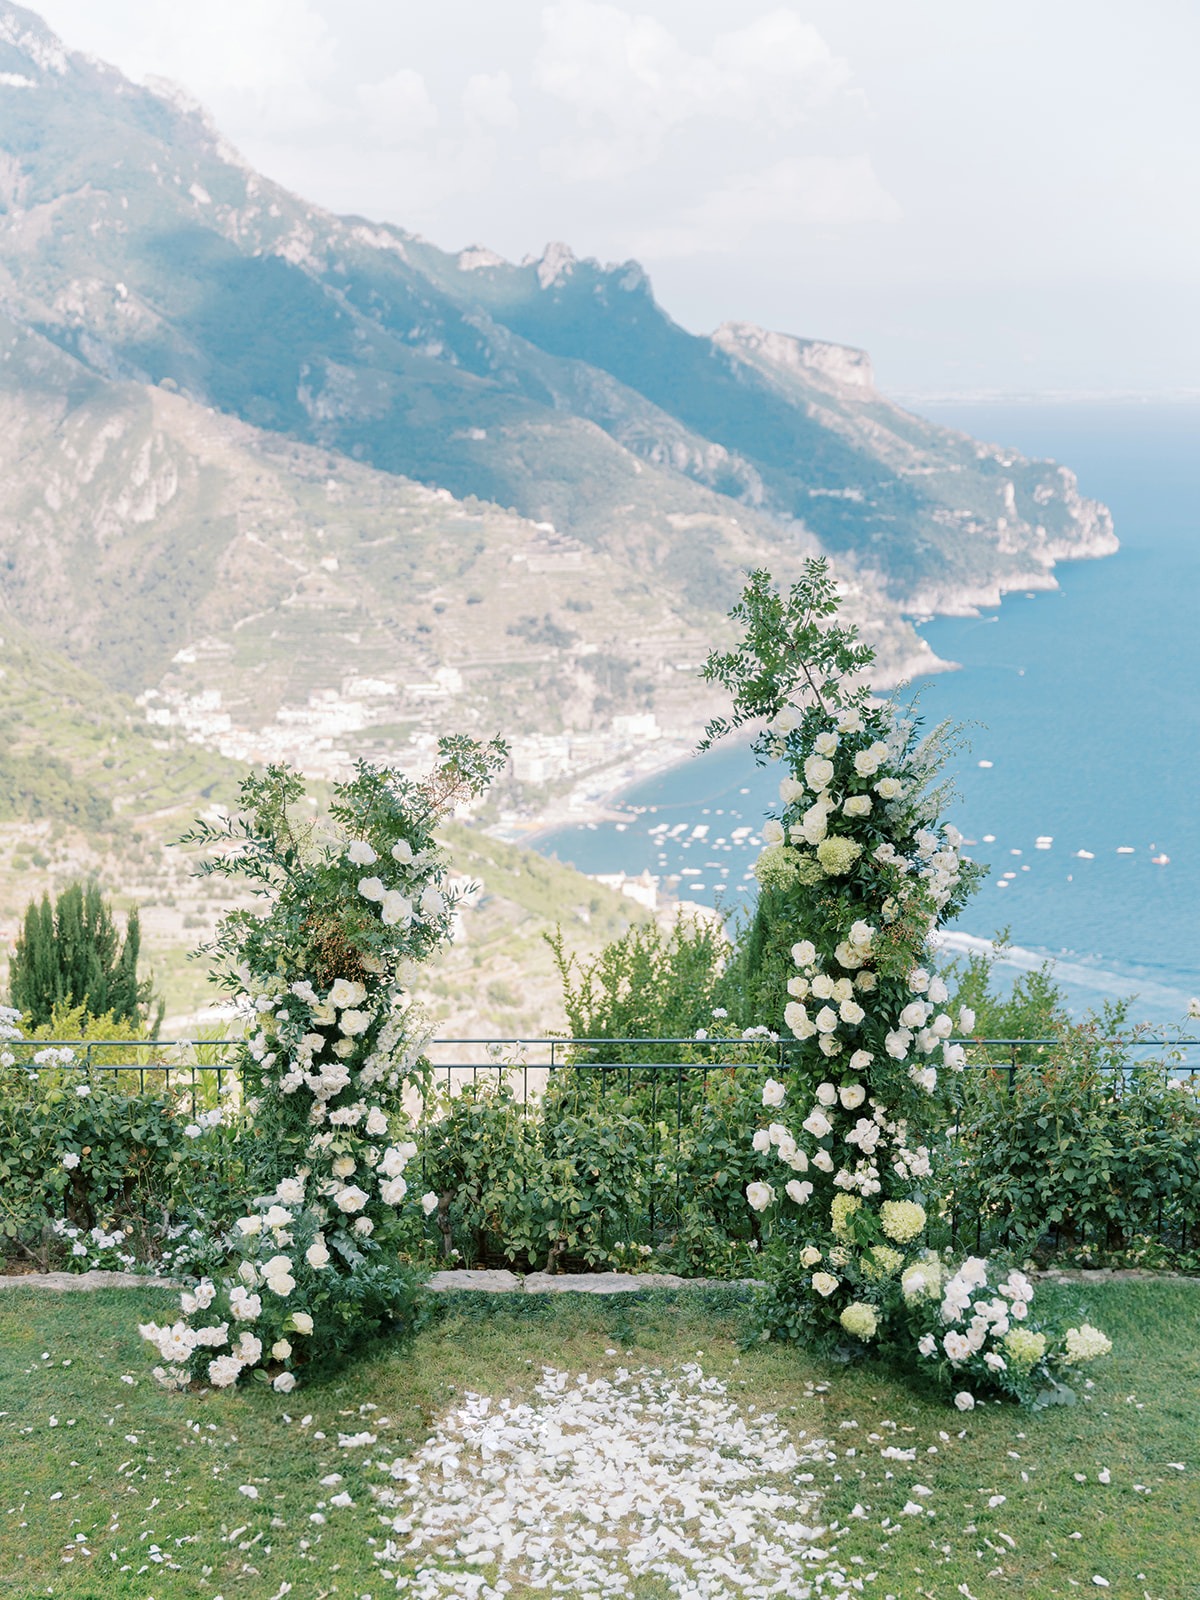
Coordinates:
(1081,708)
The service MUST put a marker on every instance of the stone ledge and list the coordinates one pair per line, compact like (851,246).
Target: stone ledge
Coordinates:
(69,1281)
(459,1280)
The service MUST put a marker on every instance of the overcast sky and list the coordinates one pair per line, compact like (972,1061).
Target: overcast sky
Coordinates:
(987,194)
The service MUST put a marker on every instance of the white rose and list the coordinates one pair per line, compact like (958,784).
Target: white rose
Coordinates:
(826,1094)
(395,1160)
(942,1026)
(818,772)
(396,908)
(302,1322)
(850,722)
(799,1192)
(71,1161)
(824,1283)
(433,901)
(790,791)
(966,1019)
(818,1124)
(282,1284)
(350,1198)
(858,805)
(897,1042)
(774,1093)
(364,1226)
(402,851)
(393,1191)
(865,981)
(281,1350)
(290,1191)
(918,980)
(913,1015)
(798,987)
(825,743)
(814,824)
(429,1203)
(927,1344)
(252,1225)
(809,1256)
(285,1382)
(804,953)
(852,1095)
(964,1401)
(346,992)
(371,888)
(827,1020)
(761,1141)
(861,1060)
(851,1012)
(937,991)
(317,1254)
(277,1217)
(360,853)
(355,1022)
(760,1195)
(773,832)
(822,1160)
(797,1019)
(377,1122)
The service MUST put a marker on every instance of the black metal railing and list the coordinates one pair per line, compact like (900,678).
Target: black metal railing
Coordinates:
(669,1093)
(173,1065)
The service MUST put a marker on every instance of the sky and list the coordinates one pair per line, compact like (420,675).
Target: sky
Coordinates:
(991,196)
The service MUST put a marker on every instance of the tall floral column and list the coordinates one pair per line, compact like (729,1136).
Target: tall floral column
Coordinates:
(318,969)
(857,874)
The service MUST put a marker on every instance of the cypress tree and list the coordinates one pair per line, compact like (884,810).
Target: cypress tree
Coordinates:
(71,954)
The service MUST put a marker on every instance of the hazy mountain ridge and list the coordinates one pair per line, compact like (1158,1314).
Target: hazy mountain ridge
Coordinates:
(281,484)
(465,371)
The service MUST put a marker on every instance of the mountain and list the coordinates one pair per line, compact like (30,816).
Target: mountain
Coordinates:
(135,240)
(280,483)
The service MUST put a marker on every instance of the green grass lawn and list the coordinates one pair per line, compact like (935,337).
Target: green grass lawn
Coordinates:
(112,1487)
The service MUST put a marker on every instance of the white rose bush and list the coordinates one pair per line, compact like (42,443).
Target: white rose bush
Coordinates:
(317,1262)
(857,874)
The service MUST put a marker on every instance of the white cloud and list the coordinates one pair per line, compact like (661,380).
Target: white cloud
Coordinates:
(487,101)
(399,108)
(799,191)
(629,81)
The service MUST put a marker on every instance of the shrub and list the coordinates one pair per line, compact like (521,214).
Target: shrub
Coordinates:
(77,1151)
(70,955)
(647,984)
(1088,1148)
(555,1182)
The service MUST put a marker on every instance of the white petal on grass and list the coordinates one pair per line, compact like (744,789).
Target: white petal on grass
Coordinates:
(594,1484)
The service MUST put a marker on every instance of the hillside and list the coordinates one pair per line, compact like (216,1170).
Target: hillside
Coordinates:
(137,241)
(284,484)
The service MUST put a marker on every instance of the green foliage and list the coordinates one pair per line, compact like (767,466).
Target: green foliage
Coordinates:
(790,650)
(70,955)
(646,984)
(545,1184)
(1033,1008)
(1089,1147)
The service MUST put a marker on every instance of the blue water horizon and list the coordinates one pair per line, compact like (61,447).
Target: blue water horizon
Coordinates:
(1080,707)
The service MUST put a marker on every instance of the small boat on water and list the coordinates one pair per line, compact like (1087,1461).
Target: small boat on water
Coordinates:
(1161,861)
(1086,855)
